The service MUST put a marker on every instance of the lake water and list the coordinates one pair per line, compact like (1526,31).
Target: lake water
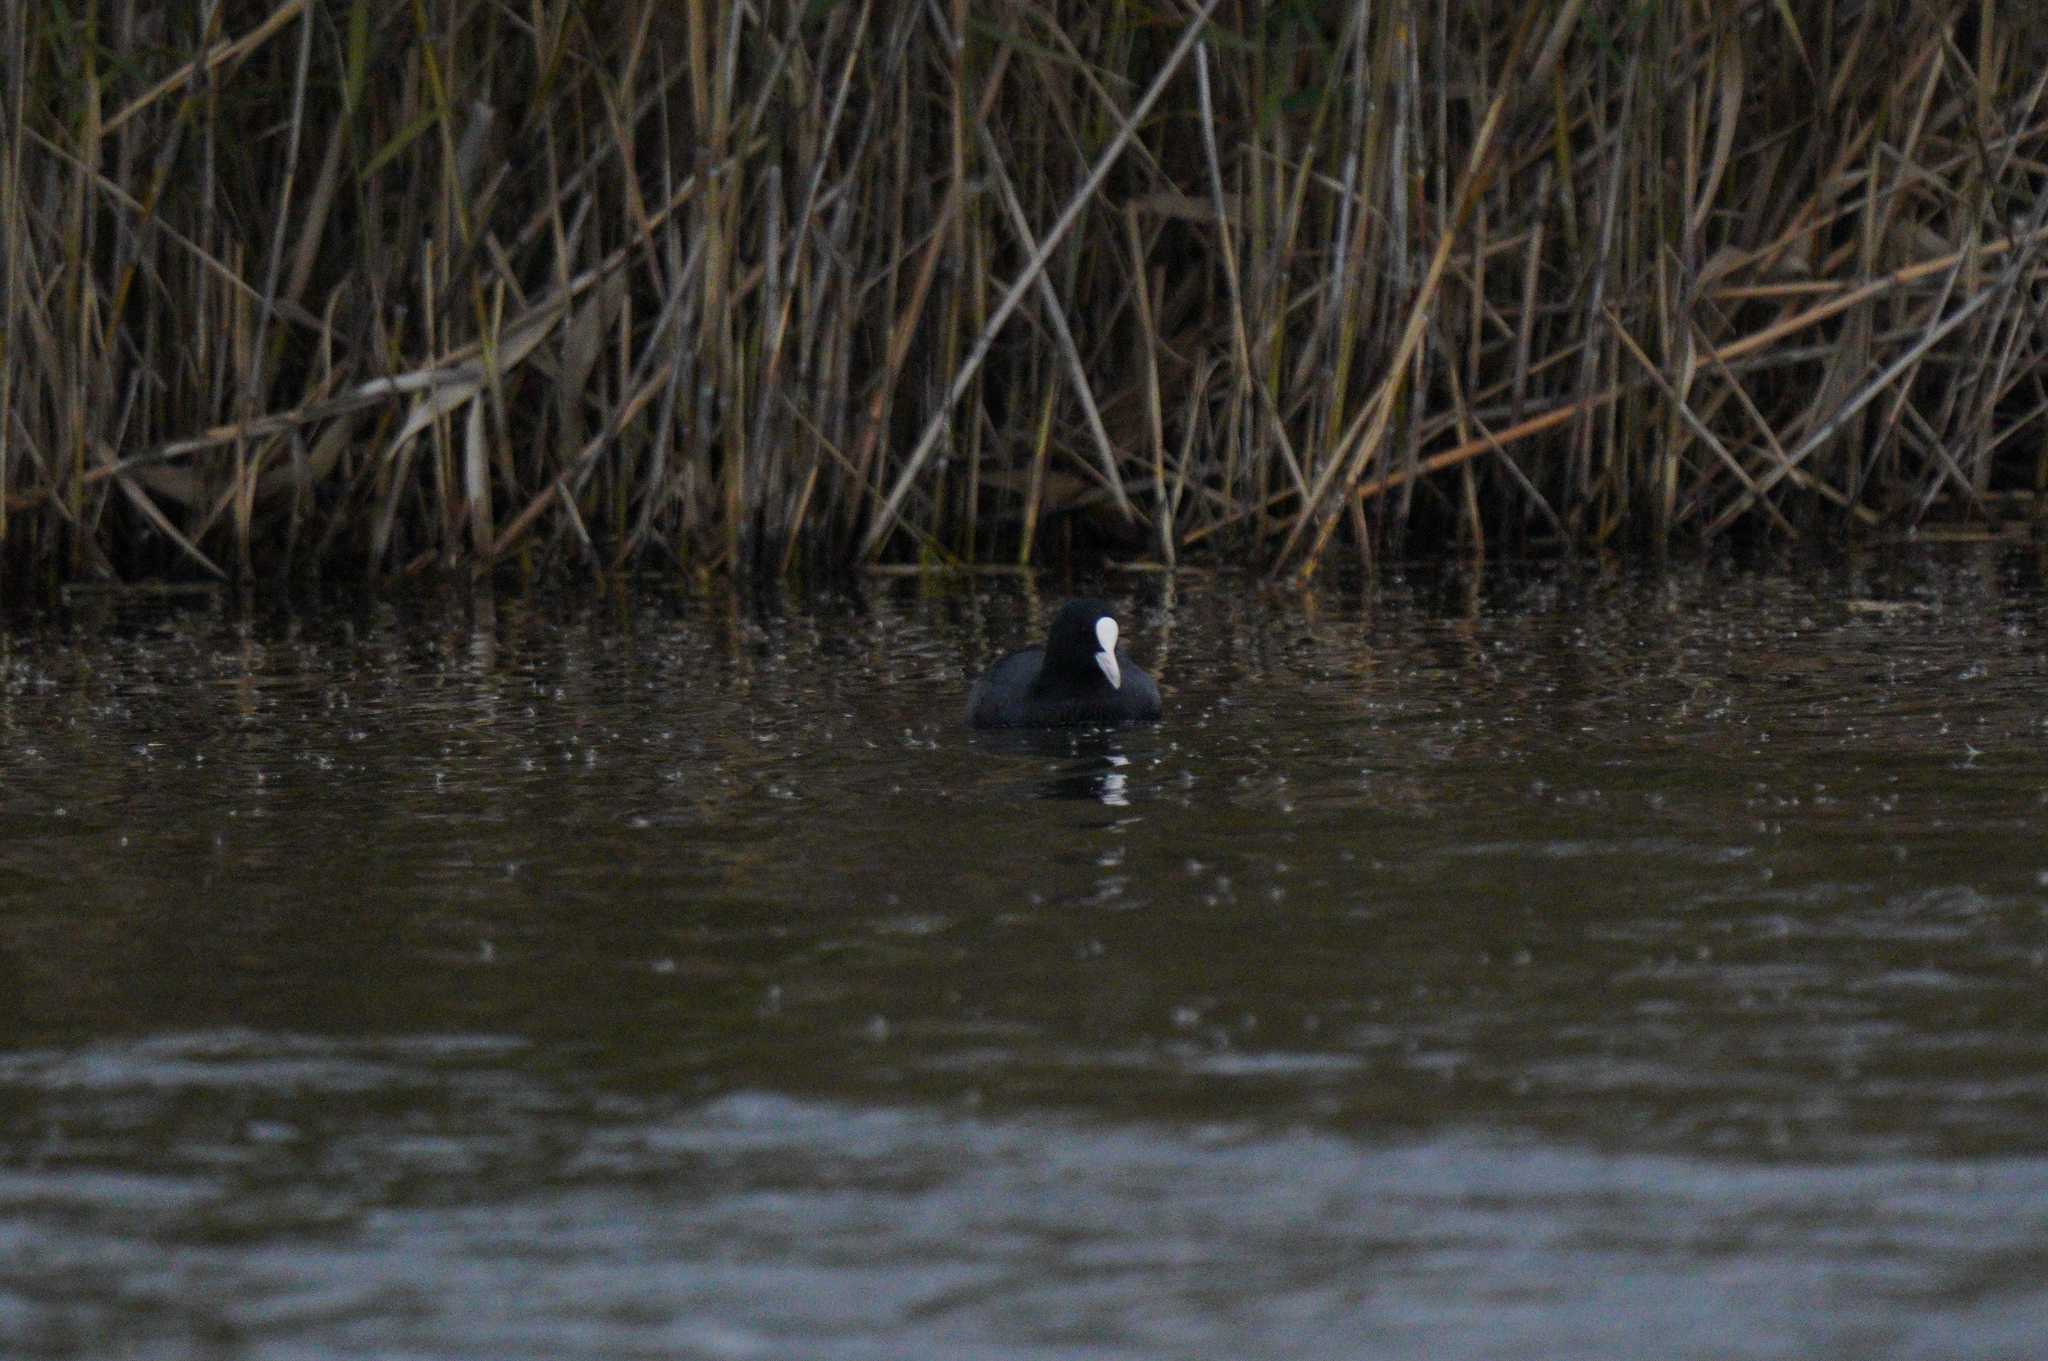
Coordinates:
(1533,963)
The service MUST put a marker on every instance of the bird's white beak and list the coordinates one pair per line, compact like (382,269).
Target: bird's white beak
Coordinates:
(1105,633)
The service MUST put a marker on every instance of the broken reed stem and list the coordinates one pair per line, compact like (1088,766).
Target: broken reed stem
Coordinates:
(785,287)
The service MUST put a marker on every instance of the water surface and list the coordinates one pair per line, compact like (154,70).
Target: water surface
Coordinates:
(1542,962)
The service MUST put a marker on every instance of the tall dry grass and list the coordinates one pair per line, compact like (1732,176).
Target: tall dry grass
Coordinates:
(376,287)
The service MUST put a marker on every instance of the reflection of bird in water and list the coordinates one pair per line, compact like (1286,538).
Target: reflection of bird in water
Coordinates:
(1075,763)
(1096,777)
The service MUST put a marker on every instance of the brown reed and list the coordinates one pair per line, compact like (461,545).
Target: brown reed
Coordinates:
(377,288)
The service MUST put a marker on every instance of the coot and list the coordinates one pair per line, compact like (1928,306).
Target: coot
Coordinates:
(1079,676)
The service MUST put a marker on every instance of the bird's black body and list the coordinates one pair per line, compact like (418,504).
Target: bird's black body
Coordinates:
(1070,680)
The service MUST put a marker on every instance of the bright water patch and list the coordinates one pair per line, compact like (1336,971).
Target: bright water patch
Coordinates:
(498,1220)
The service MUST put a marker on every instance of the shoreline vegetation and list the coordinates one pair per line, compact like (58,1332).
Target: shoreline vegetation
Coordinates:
(370,289)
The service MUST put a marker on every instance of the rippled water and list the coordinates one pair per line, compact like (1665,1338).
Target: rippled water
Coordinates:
(1537,963)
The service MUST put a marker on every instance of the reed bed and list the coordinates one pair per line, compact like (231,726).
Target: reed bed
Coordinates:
(533,285)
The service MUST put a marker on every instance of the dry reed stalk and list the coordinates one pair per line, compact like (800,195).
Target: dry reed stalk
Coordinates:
(759,288)
(885,515)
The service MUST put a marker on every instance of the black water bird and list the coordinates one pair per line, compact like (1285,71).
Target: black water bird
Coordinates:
(1079,676)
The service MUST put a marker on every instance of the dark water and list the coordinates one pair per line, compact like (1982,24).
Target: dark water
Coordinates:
(1535,964)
